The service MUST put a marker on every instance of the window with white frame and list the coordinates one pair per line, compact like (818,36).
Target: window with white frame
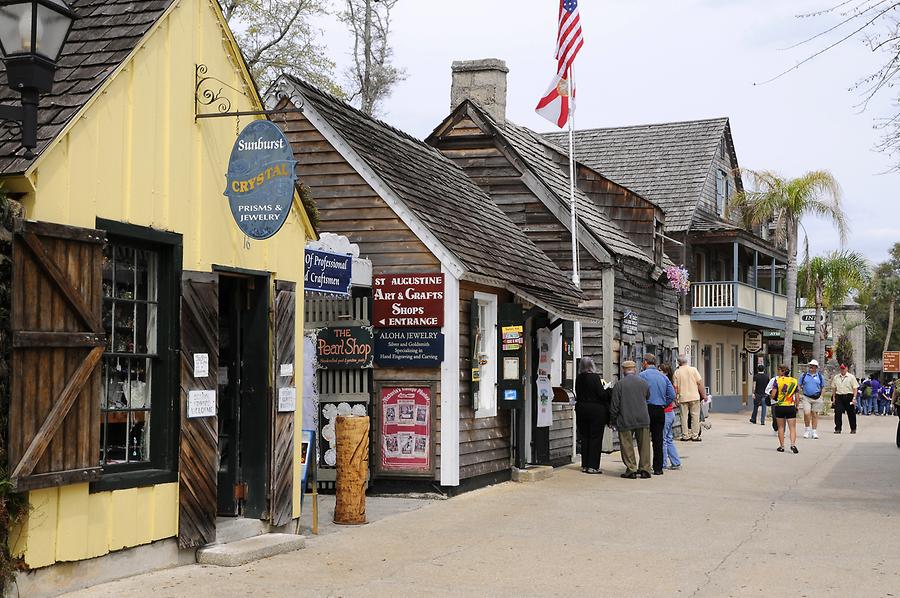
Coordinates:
(721,191)
(486,347)
(720,350)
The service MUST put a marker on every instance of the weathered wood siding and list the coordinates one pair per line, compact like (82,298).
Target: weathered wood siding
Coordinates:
(562,434)
(485,444)
(483,160)
(632,213)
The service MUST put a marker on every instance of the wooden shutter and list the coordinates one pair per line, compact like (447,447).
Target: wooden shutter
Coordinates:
(474,323)
(282,483)
(198,461)
(58,340)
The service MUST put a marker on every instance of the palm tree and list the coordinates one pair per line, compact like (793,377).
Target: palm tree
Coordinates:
(785,202)
(826,281)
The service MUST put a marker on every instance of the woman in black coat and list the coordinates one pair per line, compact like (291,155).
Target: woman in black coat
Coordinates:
(591,413)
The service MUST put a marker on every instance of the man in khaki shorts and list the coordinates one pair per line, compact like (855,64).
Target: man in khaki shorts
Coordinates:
(812,404)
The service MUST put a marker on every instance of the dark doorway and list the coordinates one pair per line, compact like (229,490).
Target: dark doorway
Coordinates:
(243,395)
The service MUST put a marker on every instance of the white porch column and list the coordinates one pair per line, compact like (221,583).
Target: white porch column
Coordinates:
(450,383)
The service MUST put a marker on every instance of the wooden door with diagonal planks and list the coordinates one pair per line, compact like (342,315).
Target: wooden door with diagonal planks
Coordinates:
(282,469)
(58,341)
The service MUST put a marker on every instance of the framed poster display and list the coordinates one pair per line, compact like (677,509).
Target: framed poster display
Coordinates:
(404,444)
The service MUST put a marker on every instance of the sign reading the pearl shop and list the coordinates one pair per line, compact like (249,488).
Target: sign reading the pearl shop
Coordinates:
(261,179)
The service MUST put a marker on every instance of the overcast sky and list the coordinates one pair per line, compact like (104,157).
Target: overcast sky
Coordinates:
(648,61)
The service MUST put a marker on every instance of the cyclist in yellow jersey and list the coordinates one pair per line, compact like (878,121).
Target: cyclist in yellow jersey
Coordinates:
(784,409)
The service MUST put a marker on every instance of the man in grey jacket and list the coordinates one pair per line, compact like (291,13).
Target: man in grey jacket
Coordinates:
(629,414)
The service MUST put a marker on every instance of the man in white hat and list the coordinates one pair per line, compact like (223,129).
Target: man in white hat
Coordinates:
(811,385)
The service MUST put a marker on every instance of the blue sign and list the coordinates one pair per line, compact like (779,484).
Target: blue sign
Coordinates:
(328,272)
(510,394)
(261,179)
(409,348)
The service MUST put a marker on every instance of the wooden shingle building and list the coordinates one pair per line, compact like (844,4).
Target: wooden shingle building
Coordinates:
(416,215)
(620,234)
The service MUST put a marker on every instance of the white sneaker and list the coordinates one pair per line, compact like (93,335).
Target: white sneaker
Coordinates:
(815,434)
(807,434)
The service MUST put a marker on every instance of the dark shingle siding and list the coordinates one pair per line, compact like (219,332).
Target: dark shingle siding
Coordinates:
(449,203)
(547,163)
(102,37)
(667,163)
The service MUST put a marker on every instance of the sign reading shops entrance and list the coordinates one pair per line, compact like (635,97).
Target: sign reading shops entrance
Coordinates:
(261,179)
(345,348)
(408,300)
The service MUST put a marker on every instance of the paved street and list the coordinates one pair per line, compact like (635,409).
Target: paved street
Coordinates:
(740,519)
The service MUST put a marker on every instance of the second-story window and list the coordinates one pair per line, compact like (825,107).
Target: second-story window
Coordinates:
(721,191)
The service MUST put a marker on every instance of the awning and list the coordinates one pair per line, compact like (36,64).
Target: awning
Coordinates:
(566,307)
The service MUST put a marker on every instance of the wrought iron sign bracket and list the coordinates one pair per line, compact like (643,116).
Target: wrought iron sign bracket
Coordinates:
(209,91)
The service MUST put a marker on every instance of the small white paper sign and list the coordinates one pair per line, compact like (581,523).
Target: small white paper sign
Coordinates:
(287,399)
(201,403)
(201,365)
(287,369)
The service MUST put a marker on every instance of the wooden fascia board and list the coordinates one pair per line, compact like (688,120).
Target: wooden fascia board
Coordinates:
(449,122)
(540,189)
(406,215)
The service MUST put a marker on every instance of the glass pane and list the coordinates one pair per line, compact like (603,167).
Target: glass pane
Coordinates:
(108,271)
(146,275)
(145,328)
(51,32)
(124,267)
(15,28)
(139,436)
(139,384)
(123,330)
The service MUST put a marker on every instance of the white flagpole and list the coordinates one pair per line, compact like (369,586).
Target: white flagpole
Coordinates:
(576,278)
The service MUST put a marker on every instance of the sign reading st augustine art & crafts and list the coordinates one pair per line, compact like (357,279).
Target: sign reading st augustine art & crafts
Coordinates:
(261,179)
(408,300)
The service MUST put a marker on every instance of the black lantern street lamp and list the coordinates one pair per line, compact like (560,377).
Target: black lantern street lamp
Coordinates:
(32,35)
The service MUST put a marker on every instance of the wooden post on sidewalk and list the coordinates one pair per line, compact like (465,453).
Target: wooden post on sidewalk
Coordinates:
(352,437)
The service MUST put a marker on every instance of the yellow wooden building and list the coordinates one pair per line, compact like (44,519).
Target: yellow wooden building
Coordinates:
(179,299)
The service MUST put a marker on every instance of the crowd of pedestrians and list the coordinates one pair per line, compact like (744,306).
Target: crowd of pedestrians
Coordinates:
(641,409)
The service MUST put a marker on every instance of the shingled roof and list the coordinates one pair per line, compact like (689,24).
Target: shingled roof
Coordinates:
(103,35)
(453,208)
(666,163)
(539,155)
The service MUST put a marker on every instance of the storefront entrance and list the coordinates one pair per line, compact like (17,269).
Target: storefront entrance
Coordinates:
(243,380)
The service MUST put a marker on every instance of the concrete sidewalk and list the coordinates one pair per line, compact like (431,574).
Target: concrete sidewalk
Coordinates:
(740,519)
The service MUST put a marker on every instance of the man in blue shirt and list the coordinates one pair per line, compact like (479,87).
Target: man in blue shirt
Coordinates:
(811,402)
(661,394)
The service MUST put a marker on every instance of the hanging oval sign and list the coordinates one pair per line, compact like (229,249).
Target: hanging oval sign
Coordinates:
(261,179)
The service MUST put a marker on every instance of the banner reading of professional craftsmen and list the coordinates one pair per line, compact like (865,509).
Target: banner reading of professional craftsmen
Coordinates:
(408,300)
(261,179)
(328,272)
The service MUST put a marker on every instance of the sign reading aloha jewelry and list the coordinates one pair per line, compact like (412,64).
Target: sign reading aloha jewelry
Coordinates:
(261,179)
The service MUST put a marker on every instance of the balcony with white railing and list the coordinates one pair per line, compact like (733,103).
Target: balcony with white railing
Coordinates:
(737,302)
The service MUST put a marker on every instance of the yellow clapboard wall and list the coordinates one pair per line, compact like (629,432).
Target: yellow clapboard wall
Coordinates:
(135,154)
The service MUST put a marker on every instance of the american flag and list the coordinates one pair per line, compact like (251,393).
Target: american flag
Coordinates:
(569,39)
(556,105)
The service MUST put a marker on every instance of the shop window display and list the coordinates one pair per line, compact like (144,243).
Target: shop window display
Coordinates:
(130,314)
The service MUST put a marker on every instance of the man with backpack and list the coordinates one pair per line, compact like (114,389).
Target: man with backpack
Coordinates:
(811,403)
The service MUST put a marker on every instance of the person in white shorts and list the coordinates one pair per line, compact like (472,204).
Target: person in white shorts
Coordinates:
(811,384)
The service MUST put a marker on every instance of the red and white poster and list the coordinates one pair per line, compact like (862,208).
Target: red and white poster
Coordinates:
(406,429)
(408,300)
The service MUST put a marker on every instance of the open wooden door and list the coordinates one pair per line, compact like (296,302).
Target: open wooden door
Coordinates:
(284,404)
(57,343)
(198,460)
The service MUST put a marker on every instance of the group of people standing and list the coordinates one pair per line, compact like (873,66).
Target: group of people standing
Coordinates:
(786,394)
(641,408)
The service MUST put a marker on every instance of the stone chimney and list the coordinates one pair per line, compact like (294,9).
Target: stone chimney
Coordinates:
(483,82)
